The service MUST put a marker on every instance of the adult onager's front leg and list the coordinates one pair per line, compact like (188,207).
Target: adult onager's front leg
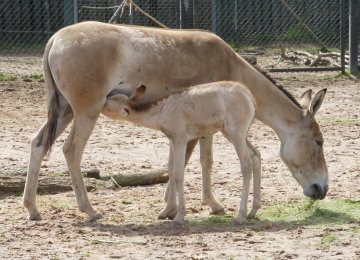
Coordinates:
(206,160)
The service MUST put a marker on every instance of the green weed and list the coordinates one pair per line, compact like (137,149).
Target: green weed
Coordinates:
(7,77)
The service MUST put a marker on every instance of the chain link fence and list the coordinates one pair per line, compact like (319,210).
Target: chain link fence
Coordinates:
(280,33)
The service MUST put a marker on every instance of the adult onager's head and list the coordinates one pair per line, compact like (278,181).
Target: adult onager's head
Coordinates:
(84,62)
(302,150)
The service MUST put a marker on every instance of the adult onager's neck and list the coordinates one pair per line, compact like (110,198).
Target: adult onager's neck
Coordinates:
(274,107)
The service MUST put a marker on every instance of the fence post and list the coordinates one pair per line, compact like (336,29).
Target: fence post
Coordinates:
(184,14)
(131,14)
(214,13)
(353,35)
(70,12)
(342,35)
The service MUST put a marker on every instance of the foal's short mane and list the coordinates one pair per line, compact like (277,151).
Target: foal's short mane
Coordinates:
(280,87)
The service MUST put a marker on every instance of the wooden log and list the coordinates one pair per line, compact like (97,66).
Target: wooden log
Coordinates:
(56,183)
(138,178)
(15,183)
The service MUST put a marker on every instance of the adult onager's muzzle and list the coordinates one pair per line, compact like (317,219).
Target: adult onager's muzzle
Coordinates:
(317,191)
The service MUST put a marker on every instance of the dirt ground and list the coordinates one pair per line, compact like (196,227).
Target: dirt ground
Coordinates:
(130,228)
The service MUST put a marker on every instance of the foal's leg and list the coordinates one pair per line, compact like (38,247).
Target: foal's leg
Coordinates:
(237,134)
(206,160)
(246,169)
(37,153)
(189,149)
(73,149)
(170,194)
(179,149)
(256,160)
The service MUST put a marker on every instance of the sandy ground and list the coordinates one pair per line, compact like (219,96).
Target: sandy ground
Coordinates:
(130,228)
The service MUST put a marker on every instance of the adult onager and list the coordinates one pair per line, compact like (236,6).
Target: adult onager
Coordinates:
(199,111)
(84,62)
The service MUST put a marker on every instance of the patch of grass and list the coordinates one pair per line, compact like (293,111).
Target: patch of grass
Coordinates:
(218,220)
(340,75)
(339,121)
(327,240)
(293,214)
(13,77)
(19,194)
(126,202)
(335,212)
(7,77)
(36,76)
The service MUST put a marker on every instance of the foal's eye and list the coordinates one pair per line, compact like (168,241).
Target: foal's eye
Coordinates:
(320,143)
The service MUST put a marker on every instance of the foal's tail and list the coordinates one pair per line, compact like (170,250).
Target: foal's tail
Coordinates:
(53,103)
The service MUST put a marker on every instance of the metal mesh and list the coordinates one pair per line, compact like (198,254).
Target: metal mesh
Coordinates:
(265,27)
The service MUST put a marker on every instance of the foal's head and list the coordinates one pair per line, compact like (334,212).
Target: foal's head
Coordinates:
(302,150)
(119,106)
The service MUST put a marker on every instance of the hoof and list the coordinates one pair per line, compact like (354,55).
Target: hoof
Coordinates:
(176,224)
(35,217)
(237,222)
(220,211)
(95,217)
(251,215)
(170,214)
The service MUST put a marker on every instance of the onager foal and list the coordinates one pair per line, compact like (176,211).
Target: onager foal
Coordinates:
(198,112)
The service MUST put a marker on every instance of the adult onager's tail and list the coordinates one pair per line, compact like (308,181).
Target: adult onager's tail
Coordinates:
(53,103)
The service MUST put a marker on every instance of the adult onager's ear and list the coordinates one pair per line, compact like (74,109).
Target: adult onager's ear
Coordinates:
(305,98)
(138,93)
(316,102)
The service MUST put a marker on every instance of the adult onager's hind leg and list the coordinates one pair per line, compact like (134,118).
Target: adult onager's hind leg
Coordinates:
(73,148)
(206,160)
(37,153)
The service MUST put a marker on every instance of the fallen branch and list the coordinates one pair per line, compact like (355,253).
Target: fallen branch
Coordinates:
(306,58)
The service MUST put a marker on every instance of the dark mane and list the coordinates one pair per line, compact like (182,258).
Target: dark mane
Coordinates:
(280,87)
(143,107)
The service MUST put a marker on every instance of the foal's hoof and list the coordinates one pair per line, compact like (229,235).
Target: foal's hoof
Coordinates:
(95,217)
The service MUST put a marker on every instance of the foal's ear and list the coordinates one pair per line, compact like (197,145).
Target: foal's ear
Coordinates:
(316,102)
(138,93)
(305,99)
